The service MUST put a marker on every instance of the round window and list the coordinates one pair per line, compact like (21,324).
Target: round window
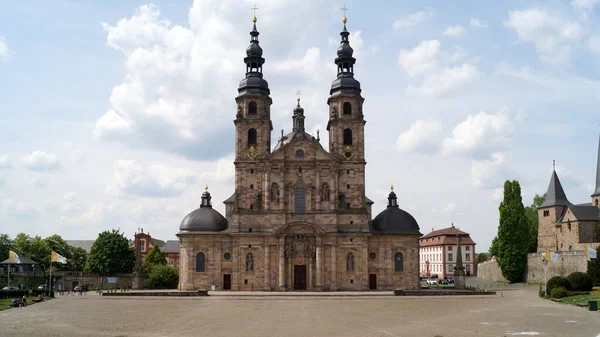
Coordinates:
(372,256)
(227,256)
(300,153)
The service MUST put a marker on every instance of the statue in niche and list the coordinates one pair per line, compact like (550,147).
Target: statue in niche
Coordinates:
(239,112)
(274,192)
(333,111)
(249,262)
(257,200)
(325,192)
(350,263)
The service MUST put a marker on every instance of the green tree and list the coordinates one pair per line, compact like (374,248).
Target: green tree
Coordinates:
(494,247)
(513,233)
(6,244)
(532,215)
(481,257)
(60,246)
(163,277)
(593,269)
(34,248)
(110,254)
(78,259)
(154,258)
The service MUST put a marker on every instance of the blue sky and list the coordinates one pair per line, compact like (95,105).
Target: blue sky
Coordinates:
(115,114)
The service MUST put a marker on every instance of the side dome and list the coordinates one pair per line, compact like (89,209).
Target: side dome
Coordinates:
(394,220)
(204,219)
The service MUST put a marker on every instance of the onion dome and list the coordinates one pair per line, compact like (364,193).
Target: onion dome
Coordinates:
(345,83)
(394,220)
(253,83)
(204,219)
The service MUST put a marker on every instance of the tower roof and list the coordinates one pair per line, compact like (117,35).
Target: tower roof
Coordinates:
(345,83)
(556,195)
(254,83)
(597,190)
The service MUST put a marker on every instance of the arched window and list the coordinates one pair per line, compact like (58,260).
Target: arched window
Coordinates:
(200,263)
(347,108)
(347,137)
(596,202)
(252,137)
(350,263)
(398,262)
(300,201)
(252,108)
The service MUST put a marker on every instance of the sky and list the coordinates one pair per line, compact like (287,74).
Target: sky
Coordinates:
(115,114)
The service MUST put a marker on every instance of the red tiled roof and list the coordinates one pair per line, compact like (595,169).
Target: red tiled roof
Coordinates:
(446,236)
(445,231)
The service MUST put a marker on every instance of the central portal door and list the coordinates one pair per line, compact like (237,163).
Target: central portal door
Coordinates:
(300,277)
(373,281)
(226,281)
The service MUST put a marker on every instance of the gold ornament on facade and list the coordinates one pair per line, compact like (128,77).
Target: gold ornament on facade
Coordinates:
(252,152)
(348,153)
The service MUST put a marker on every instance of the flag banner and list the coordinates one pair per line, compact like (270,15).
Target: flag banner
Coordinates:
(58,258)
(13,257)
(554,256)
(547,254)
(591,253)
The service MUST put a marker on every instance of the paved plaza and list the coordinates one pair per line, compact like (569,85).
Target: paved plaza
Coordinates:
(517,313)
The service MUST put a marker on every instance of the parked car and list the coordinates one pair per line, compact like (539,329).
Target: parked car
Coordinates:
(450,279)
(432,281)
(43,287)
(10,288)
(80,288)
(444,282)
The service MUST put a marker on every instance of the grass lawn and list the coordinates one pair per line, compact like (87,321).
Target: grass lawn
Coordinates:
(5,304)
(581,299)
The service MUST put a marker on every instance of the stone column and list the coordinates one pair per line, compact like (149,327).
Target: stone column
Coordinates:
(237,275)
(334,267)
(267,188)
(318,189)
(281,264)
(333,192)
(266,278)
(319,271)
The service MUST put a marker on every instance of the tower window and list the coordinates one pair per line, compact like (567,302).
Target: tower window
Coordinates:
(347,171)
(251,137)
(347,137)
(252,108)
(547,213)
(348,186)
(200,263)
(251,186)
(300,201)
(347,108)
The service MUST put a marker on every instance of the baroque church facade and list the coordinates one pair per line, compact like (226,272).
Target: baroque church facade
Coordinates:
(299,218)
(564,226)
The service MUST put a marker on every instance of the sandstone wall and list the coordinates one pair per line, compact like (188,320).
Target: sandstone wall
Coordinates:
(568,262)
(490,271)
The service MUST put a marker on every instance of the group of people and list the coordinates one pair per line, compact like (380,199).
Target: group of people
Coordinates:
(23,302)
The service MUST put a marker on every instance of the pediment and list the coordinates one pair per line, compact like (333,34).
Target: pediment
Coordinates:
(301,148)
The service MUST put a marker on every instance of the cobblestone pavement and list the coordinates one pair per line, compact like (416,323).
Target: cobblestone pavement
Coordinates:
(517,313)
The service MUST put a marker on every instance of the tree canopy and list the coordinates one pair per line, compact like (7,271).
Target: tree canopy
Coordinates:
(154,258)
(111,254)
(6,244)
(481,257)
(39,250)
(513,233)
(532,215)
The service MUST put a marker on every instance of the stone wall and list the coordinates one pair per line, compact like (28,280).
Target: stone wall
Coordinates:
(490,271)
(568,262)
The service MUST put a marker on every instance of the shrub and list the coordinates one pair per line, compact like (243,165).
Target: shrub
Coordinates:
(557,281)
(559,292)
(163,277)
(580,281)
(542,293)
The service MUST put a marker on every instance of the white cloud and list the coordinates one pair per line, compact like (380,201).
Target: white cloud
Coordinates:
(479,135)
(149,180)
(112,126)
(39,181)
(309,65)
(421,136)
(450,208)
(586,5)
(4,52)
(436,69)
(497,194)
(5,162)
(477,23)
(446,81)
(552,36)
(489,173)
(413,19)
(40,161)
(420,59)
(18,210)
(455,31)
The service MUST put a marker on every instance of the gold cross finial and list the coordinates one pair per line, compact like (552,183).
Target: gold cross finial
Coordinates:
(392,187)
(298,94)
(206,187)
(254,10)
(344,9)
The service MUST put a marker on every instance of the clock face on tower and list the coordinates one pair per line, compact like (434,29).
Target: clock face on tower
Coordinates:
(348,153)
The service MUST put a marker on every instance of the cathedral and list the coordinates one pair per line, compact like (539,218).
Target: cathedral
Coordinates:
(564,226)
(299,218)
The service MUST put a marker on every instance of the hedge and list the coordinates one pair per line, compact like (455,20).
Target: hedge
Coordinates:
(557,281)
(580,281)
